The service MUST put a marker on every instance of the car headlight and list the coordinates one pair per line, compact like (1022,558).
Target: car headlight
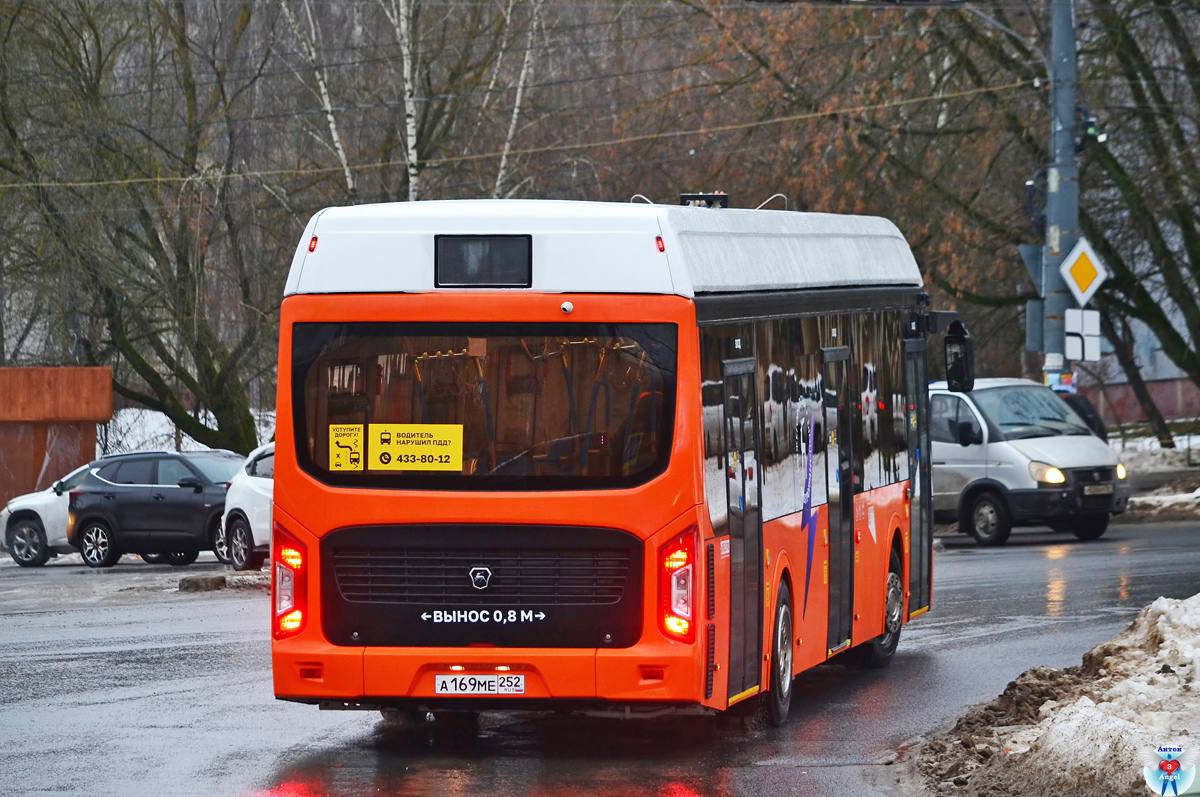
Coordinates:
(1046,474)
(1121,472)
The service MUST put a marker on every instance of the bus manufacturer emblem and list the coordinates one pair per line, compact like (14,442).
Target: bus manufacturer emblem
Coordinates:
(480,576)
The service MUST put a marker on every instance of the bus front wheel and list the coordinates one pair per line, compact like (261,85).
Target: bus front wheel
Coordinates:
(779,699)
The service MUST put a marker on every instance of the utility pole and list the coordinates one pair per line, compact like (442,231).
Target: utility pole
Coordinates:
(1062,184)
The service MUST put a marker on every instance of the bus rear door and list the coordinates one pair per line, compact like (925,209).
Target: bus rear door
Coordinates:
(837,393)
(743,487)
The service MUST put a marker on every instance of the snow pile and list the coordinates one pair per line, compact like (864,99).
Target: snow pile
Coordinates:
(137,429)
(1171,501)
(1088,729)
(1146,454)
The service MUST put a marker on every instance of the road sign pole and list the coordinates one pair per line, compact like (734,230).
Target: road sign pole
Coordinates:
(1062,182)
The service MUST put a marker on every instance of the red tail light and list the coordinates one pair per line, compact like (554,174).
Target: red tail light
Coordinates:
(289,584)
(677,587)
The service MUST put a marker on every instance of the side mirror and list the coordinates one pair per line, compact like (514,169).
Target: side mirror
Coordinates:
(960,359)
(966,434)
(191,481)
(57,487)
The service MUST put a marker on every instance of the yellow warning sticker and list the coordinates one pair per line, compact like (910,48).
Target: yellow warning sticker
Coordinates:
(415,446)
(345,446)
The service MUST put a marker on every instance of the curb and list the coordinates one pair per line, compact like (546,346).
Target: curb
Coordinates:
(201,583)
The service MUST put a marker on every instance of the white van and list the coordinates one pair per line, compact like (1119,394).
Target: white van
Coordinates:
(1012,453)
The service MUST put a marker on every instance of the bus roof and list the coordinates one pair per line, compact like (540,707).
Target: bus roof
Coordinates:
(605,247)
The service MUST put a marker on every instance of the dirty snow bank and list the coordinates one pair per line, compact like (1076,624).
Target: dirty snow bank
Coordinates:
(1166,500)
(1085,730)
(1144,454)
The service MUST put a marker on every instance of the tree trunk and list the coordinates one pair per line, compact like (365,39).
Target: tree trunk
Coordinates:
(1121,337)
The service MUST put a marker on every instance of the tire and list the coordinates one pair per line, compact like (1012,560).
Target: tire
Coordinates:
(182,558)
(26,542)
(98,545)
(154,558)
(219,538)
(878,653)
(779,699)
(241,545)
(986,519)
(1090,527)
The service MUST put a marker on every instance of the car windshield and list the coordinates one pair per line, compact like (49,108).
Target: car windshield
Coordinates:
(1022,411)
(74,477)
(216,468)
(484,406)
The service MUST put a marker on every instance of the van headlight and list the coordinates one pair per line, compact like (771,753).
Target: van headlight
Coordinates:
(1121,472)
(1046,474)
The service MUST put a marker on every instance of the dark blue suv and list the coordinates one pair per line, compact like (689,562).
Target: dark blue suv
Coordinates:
(162,505)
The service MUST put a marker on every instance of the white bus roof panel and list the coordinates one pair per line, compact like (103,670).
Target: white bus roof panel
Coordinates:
(605,247)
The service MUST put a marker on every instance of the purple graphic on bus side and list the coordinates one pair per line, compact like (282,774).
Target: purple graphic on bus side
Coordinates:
(808,518)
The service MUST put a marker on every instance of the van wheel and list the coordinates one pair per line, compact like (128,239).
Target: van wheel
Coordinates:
(154,558)
(878,653)
(986,519)
(27,543)
(97,545)
(779,700)
(1090,527)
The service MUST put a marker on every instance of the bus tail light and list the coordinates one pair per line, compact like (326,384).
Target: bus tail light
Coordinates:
(289,584)
(677,586)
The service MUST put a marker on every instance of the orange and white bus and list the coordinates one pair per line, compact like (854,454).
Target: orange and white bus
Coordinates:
(619,459)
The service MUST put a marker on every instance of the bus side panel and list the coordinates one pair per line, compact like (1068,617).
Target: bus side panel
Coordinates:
(877,515)
(810,615)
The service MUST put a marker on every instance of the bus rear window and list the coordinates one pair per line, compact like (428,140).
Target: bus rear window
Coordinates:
(484,406)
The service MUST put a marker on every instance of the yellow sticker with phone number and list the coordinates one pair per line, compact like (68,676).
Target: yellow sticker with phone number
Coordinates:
(415,446)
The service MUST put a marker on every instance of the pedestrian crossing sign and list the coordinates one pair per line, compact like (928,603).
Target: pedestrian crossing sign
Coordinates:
(1083,271)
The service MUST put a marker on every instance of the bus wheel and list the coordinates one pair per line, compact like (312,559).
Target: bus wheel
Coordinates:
(779,699)
(879,651)
(986,519)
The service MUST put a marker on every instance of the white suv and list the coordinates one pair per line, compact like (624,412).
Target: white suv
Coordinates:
(247,521)
(33,527)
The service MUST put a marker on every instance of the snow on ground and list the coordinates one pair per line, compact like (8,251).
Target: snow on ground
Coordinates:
(1144,454)
(1088,729)
(1167,501)
(137,429)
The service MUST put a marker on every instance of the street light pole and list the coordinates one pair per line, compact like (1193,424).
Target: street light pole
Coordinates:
(1062,184)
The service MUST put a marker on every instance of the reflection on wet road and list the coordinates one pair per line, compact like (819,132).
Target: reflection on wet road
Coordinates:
(139,692)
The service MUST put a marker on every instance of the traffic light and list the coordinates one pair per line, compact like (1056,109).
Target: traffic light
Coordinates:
(1090,133)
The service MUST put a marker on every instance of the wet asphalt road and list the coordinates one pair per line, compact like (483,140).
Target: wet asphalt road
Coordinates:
(109,685)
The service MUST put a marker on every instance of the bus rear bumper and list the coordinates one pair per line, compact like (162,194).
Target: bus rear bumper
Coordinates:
(649,672)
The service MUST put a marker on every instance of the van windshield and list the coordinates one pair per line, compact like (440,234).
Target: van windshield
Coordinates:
(484,406)
(1023,411)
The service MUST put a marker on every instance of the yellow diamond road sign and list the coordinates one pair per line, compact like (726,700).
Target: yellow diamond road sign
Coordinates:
(1083,271)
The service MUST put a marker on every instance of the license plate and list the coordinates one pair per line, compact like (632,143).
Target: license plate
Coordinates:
(479,684)
(1097,489)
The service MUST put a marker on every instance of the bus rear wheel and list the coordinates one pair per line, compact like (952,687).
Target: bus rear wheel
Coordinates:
(779,699)
(878,653)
